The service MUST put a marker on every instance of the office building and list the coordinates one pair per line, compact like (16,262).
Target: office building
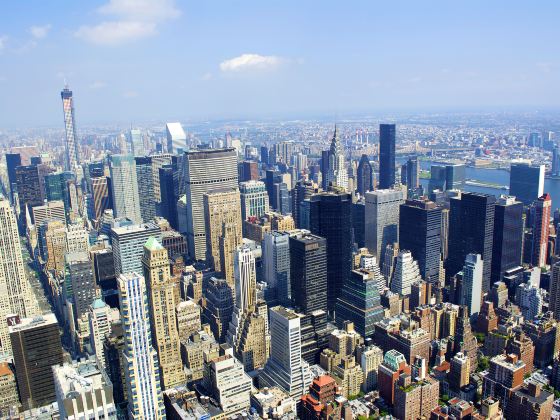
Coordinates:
(337,172)
(540,215)
(471,295)
(254,199)
(128,242)
(530,401)
(176,138)
(72,146)
(471,231)
(83,390)
(365,176)
(9,397)
(62,186)
(276,262)
(382,220)
(162,290)
(420,233)
(124,187)
(405,274)
(508,237)
(415,398)
(394,364)
(285,368)
(13,160)
(526,182)
(145,399)
(554,300)
(158,162)
(17,297)
(320,399)
(505,376)
(331,218)
(79,273)
(447,177)
(100,327)
(302,191)
(412,173)
(30,187)
(530,300)
(226,381)
(167,207)
(145,180)
(221,207)
(187,313)
(387,134)
(101,197)
(308,271)
(48,211)
(219,307)
(370,358)
(36,348)
(359,302)
(205,170)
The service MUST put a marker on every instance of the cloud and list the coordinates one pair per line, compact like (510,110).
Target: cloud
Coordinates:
(545,67)
(3,41)
(134,20)
(40,32)
(98,84)
(116,33)
(250,62)
(130,94)
(206,76)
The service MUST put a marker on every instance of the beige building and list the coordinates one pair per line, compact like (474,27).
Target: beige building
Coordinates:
(77,238)
(193,352)
(370,358)
(188,318)
(55,244)
(48,211)
(349,376)
(163,297)
(8,389)
(229,241)
(221,207)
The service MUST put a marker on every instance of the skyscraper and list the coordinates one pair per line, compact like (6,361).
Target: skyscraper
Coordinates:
(13,160)
(365,176)
(337,174)
(471,231)
(136,141)
(167,188)
(276,261)
(205,170)
(99,327)
(405,274)
(285,368)
(101,196)
(127,245)
(308,271)
(145,399)
(71,143)
(145,181)
(176,138)
(124,187)
(420,233)
(162,290)
(254,199)
(540,212)
(526,182)
(508,237)
(303,190)
(471,291)
(17,296)
(387,134)
(382,220)
(331,218)
(412,173)
(36,348)
(221,207)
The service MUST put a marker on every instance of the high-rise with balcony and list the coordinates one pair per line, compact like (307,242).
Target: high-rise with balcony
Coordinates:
(72,156)
(142,376)
(205,170)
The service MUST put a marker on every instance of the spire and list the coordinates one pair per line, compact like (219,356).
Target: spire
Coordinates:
(336,146)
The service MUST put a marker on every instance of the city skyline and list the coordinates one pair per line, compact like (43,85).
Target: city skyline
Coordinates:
(172,60)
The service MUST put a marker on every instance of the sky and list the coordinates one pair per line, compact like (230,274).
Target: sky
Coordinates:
(133,61)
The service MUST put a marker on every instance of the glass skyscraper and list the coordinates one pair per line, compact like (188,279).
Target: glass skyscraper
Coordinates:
(387,134)
(526,182)
(72,146)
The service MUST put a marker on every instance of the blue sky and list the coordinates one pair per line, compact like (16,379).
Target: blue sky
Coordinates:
(137,60)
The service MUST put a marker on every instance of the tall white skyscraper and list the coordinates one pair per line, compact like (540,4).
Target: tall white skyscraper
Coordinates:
(176,138)
(530,300)
(285,368)
(145,399)
(254,199)
(382,220)
(205,170)
(128,245)
(71,143)
(245,278)
(99,327)
(16,295)
(126,201)
(136,141)
(337,174)
(276,261)
(472,283)
(406,272)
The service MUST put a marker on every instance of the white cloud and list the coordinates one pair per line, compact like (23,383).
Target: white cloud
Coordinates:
(545,67)
(3,41)
(250,62)
(98,84)
(130,94)
(116,33)
(40,32)
(134,20)
(206,76)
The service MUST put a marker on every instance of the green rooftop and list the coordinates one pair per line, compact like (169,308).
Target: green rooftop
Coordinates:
(152,244)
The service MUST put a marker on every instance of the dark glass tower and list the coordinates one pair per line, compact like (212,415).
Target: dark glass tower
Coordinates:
(308,271)
(145,179)
(302,190)
(365,175)
(471,230)
(331,218)
(412,173)
(168,207)
(526,182)
(360,303)
(420,233)
(386,155)
(13,160)
(508,237)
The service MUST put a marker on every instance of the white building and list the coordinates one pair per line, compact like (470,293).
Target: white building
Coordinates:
(405,274)
(472,283)
(49,210)
(77,238)
(124,187)
(530,300)
(245,278)
(285,368)
(382,220)
(145,399)
(254,199)
(369,262)
(128,245)
(176,138)
(83,391)
(99,327)
(370,359)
